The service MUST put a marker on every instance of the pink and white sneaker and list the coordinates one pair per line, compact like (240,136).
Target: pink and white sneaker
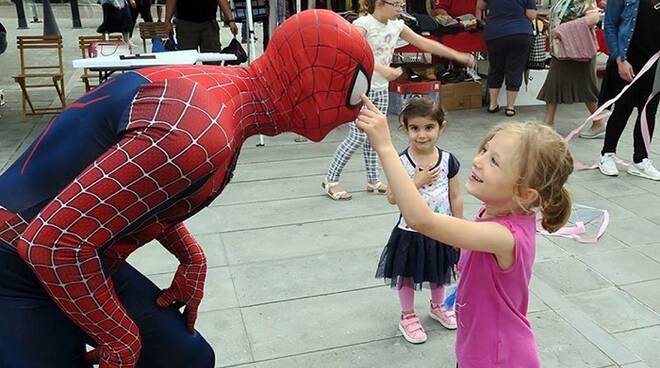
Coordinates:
(447,318)
(412,329)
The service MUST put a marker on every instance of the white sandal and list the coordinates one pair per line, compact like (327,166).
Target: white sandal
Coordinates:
(341,195)
(379,188)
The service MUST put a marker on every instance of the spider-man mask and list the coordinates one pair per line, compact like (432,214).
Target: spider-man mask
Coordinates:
(316,67)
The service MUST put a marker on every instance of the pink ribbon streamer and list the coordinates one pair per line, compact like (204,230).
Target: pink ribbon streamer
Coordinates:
(575,232)
(599,112)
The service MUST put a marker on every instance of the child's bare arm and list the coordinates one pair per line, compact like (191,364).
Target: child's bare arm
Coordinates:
(455,197)
(388,72)
(436,48)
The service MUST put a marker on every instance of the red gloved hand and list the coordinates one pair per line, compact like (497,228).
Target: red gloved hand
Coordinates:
(102,356)
(187,288)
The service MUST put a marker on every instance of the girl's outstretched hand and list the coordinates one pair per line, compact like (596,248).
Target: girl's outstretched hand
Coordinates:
(374,124)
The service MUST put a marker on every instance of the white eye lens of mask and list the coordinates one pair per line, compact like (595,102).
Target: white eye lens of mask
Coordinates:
(360,87)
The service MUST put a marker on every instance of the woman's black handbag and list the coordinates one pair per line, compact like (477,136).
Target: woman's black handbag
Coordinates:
(235,48)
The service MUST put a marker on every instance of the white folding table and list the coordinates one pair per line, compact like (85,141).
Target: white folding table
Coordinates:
(106,65)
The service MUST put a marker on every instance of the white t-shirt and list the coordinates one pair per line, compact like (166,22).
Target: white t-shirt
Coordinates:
(382,38)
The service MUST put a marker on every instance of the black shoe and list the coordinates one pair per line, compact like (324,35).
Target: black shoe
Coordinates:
(496,109)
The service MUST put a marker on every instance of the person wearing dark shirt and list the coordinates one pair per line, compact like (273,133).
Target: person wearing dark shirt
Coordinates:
(196,24)
(508,36)
(633,37)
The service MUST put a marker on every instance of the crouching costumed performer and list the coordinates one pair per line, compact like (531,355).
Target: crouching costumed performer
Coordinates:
(127,163)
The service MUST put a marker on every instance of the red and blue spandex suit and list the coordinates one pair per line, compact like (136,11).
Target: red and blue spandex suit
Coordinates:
(128,163)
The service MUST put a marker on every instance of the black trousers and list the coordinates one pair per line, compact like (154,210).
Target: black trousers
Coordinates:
(635,97)
(507,57)
(142,8)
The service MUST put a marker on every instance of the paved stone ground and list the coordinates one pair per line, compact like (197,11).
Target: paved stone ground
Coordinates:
(291,281)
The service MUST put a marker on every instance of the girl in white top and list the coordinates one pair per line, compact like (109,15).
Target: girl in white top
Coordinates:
(382,28)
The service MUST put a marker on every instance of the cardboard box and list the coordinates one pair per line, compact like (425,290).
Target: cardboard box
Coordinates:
(401,91)
(460,96)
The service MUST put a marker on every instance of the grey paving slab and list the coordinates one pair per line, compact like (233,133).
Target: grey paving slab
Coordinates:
(569,276)
(615,187)
(206,222)
(287,188)
(294,278)
(636,365)
(624,266)
(645,342)
(654,219)
(561,346)
(587,152)
(614,310)
(318,166)
(647,292)
(282,153)
(321,324)
(581,192)
(153,258)
(586,176)
(634,231)
(225,332)
(289,139)
(546,249)
(582,323)
(536,304)
(648,185)
(299,210)
(307,239)
(605,243)
(640,205)
(652,251)
(437,351)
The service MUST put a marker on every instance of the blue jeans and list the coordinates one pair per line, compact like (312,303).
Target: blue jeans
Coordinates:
(35,333)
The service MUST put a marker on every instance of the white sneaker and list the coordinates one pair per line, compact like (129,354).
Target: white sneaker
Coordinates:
(607,165)
(644,169)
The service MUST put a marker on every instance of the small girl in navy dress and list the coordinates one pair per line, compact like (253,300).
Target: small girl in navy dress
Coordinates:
(411,259)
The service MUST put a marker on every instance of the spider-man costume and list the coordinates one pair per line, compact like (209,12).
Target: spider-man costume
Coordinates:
(128,163)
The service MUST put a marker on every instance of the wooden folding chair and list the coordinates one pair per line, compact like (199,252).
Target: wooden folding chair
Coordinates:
(84,43)
(40,67)
(149,30)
